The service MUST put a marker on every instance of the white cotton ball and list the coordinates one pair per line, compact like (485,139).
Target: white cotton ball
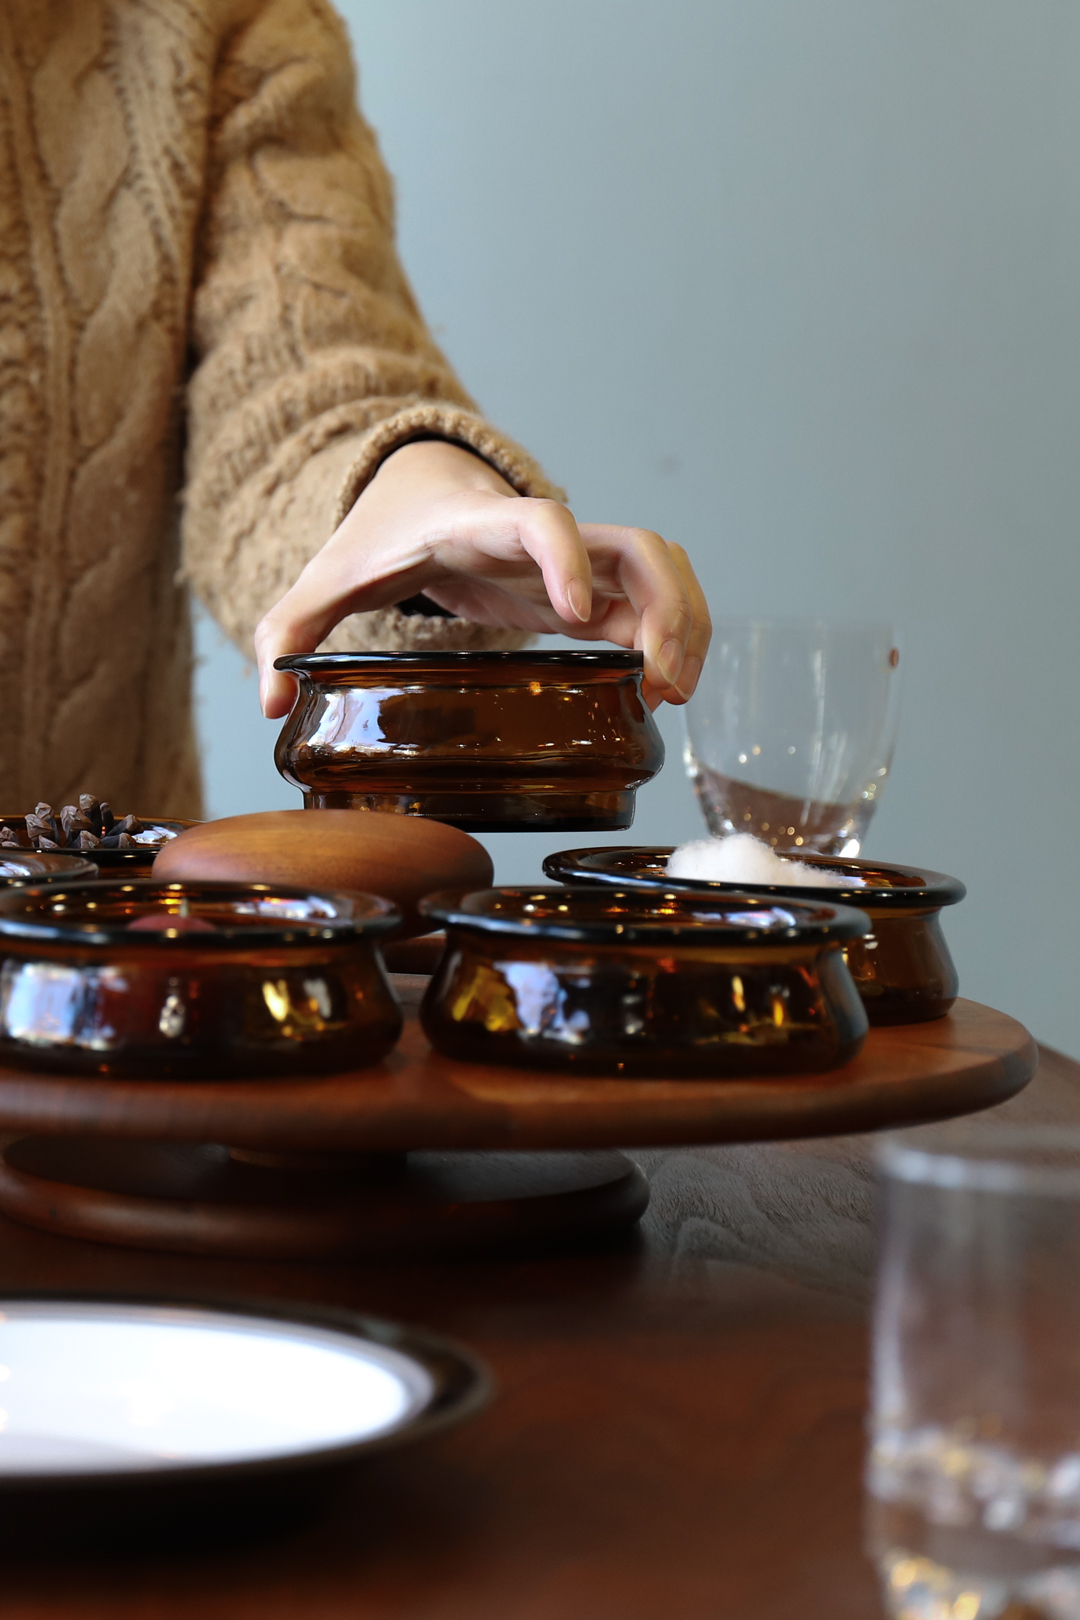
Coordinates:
(742,858)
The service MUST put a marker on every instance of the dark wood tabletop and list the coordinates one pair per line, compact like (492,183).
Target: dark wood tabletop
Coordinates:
(679,1442)
(672,1438)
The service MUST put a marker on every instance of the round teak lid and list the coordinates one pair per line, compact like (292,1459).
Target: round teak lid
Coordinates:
(402,858)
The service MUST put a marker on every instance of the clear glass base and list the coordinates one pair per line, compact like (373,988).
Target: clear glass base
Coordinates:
(781,822)
(967,1530)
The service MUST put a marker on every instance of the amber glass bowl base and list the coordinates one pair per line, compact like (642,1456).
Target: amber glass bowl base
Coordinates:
(906,1007)
(494,812)
(908,1012)
(467,1014)
(734,1062)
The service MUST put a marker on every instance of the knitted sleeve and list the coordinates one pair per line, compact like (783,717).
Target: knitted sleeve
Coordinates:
(313,361)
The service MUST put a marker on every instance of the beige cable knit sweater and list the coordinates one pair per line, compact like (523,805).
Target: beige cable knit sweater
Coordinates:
(187,191)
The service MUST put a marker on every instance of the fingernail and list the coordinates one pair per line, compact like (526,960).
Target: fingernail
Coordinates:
(669,661)
(689,674)
(578,596)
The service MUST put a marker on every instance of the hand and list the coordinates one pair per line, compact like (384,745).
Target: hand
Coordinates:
(437,519)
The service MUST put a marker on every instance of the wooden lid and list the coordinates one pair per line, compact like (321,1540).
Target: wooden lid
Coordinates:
(400,857)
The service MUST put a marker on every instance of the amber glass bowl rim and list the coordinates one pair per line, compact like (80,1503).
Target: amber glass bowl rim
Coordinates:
(61,866)
(344,663)
(818,924)
(929,888)
(360,914)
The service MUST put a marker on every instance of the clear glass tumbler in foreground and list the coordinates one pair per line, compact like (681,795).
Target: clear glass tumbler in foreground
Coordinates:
(974,1468)
(791,732)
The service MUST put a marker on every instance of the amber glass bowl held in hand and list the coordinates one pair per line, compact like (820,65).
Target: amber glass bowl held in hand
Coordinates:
(650,983)
(902,969)
(195,981)
(492,742)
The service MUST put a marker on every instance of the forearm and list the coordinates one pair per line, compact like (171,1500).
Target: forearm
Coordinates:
(313,362)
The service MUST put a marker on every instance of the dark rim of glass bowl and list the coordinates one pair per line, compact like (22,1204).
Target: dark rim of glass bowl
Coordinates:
(319,663)
(928,889)
(65,866)
(816,924)
(461,1387)
(295,931)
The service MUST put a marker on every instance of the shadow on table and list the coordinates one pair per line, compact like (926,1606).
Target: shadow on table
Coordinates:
(803,1210)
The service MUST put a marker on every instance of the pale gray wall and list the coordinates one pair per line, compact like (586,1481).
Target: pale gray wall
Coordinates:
(794,282)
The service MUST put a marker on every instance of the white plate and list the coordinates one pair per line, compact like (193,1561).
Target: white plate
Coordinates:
(90,1387)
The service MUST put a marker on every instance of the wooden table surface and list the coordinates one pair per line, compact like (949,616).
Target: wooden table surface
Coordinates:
(672,1439)
(662,1444)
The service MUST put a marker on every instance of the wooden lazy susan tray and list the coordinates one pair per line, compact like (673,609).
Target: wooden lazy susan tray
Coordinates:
(421,1153)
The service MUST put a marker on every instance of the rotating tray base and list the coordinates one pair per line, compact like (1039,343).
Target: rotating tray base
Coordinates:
(204,1199)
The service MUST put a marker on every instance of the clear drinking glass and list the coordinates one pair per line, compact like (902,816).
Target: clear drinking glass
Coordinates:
(974,1468)
(790,734)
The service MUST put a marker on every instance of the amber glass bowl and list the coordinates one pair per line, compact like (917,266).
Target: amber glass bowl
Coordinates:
(195,981)
(903,969)
(637,982)
(135,862)
(28,867)
(492,742)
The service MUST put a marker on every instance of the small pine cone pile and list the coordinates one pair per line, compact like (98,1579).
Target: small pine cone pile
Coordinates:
(88,825)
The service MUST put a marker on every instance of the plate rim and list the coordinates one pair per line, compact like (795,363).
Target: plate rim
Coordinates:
(450,1403)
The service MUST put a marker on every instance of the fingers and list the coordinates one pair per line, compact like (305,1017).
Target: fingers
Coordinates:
(547,534)
(473,537)
(326,592)
(663,609)
(297,624)
(697,644)
(274,639)
(504,560)
(352,573)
